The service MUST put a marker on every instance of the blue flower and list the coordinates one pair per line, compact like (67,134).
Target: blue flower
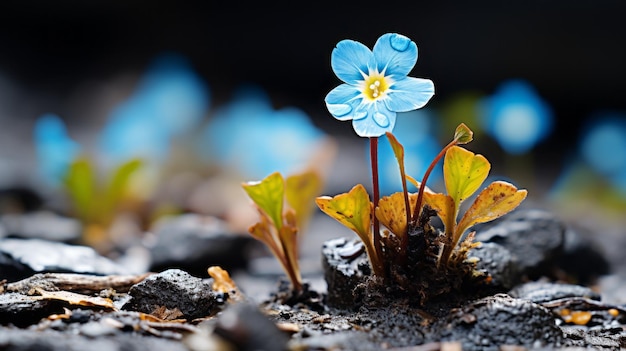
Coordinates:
(55,149)
(376,84)
(517,117)
(252,138)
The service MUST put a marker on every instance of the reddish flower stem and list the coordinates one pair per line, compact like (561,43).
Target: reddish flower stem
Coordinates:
(420,194)
(376,190)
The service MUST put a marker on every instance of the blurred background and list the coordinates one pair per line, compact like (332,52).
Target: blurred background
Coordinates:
(203,91)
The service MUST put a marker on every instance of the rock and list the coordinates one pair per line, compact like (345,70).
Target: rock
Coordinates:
(534,237)
(345,265)
(193,242)
(22,310)
(21,258)
(241,327)
(496,260)
(175,293)
(582,260)
(541,292)
(498,320)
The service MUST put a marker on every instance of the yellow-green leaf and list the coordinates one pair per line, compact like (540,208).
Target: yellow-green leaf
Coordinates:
(444,205)
(391,213)
(300,191)
(352,209)
(496,200)
(463,134)
(463,173)
(119,185)
(80,183)
(268,194)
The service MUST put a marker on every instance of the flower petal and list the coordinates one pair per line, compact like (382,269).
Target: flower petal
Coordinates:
(395,54)
(349,60)
(378,121)
(341,102)
(410,94)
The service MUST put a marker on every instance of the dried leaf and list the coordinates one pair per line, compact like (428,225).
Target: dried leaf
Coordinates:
(463,173)
(391,212)
(76,299)
(221,280)
(268,194)
(498,199)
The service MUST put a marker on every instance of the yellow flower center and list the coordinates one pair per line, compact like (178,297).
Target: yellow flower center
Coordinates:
(375,86)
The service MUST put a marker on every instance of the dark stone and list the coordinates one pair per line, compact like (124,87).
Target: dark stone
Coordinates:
(19,199)
(345,265)
(174,289)
(21,258)
(498,262)
(541,292)
(22,310)
(582,260)
(498,320)
(534,237)
(245,328)
(51,340)
(193,242)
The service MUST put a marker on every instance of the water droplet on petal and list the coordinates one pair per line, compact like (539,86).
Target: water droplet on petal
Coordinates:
(399,42)
(360,115)
(381,120)
(339,110)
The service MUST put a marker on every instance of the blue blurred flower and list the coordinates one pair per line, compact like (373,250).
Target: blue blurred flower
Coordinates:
(603,147)
(55,150)
(416,132)
(516,117)
(249,136)
(376,85)
(170,100)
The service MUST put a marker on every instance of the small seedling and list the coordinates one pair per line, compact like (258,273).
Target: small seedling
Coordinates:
(279,224)
(415,256)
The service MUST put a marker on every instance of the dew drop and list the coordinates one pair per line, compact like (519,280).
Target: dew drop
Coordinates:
(399,42)
(360,115)
(381,120)
(339,110)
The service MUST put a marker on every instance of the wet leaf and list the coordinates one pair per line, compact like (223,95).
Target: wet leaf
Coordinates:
(463,134)
(496,200)
(352,209)
(463,173)
(300,191)
(391,212)
(268,194)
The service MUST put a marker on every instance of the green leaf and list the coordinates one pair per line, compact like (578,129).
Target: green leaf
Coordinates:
(463,173)
(463,134)
(300,191)
(118,186)
(268,194)
(80,184)
(496,200)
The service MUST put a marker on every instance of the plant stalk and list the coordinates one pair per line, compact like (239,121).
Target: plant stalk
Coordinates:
(420,194)
(376,195)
